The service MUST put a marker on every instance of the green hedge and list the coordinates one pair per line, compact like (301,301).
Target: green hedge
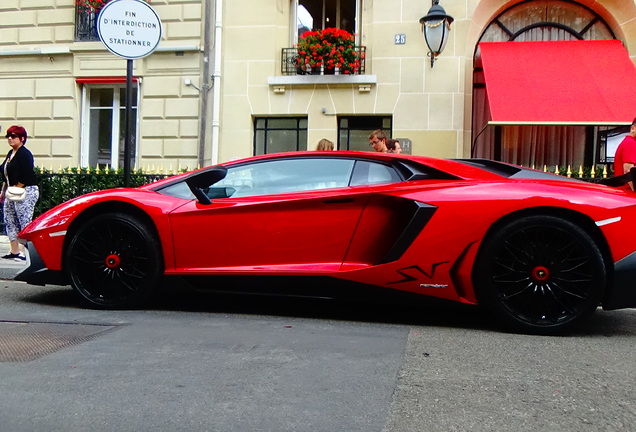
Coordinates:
(56,188)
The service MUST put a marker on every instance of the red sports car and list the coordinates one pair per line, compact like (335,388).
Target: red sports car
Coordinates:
(538,251)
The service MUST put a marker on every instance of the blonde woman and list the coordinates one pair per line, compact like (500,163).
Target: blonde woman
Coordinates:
(324,145)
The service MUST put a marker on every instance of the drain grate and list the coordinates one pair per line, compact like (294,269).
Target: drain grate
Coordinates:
(26,341)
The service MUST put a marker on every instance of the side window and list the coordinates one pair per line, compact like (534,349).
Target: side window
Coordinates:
(368,173)
(286,176)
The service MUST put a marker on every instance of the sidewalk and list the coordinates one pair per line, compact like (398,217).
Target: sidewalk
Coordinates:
(8,267)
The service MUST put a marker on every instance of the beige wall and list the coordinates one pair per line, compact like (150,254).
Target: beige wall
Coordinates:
(40,62)
(426,104)
(431,106)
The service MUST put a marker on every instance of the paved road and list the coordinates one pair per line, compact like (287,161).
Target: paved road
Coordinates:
(8,268)
(218,363)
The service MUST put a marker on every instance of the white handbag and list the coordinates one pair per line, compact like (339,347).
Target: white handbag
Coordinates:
(15,193)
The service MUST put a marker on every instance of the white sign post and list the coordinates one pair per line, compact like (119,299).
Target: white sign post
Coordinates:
(130,29)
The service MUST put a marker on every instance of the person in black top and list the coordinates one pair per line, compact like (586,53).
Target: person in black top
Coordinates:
(17,170)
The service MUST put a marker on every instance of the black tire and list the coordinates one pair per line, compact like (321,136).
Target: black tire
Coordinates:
(113,261)
(540,275)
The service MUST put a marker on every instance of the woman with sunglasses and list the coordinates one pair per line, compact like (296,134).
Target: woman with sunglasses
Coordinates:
(17,170)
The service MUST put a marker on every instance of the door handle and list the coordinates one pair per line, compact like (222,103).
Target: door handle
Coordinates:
(339,201)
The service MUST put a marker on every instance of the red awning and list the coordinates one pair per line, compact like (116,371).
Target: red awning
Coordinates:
(559,82)
(103,80)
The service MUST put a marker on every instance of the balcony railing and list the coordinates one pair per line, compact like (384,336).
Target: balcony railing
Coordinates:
(85,25)
(289,63)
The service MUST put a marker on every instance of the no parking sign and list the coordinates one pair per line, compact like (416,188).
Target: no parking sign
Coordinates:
(129,28)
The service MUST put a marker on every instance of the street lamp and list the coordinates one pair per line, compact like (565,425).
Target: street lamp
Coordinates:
(435,27)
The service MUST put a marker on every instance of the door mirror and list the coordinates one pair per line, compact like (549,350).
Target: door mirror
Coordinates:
(203,180)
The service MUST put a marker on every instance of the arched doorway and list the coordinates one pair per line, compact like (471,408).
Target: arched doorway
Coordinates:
(536,145)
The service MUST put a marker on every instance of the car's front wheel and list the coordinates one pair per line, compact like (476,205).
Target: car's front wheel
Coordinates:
(540,274)
(113,261)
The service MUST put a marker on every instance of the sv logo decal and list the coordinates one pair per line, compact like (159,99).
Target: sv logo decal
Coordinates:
(413,273)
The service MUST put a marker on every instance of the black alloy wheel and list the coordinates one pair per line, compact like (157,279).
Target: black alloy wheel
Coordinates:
(113,261)
(540,275)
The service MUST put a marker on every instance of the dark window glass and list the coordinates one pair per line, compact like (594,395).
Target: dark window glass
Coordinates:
(354,132)
(279,134)
(322,14)
(368,173)
(85,25)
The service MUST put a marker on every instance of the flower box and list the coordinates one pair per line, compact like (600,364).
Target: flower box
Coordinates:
(93,5)
(328,51)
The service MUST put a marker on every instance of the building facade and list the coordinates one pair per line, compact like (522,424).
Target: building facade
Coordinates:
(225,81)
(59,81)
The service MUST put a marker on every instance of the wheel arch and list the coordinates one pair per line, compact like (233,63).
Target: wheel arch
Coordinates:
(109,207)
(582,220)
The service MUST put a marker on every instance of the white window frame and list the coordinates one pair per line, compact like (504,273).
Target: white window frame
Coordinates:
(85,126)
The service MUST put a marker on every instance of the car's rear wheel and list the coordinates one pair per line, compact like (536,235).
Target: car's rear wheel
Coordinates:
(113,261)
(540,274)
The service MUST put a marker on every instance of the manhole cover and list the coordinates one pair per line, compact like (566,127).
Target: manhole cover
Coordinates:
(25,341)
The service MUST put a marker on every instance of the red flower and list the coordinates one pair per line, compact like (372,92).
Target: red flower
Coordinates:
(330,48)
(93,5)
